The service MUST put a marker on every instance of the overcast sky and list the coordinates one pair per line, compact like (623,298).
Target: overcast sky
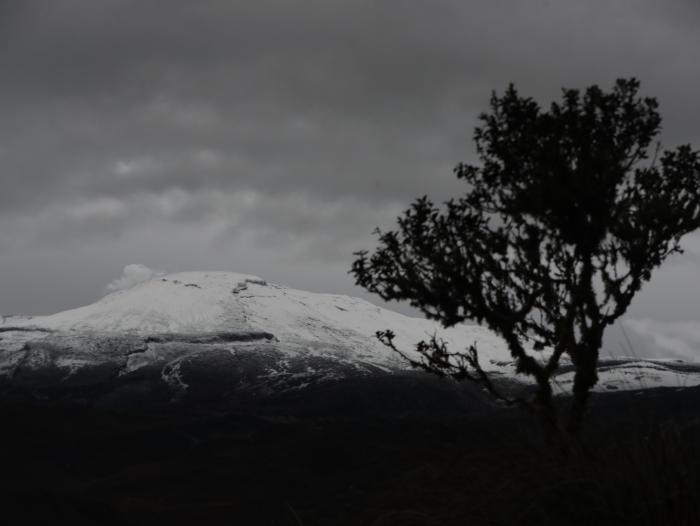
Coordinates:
(271,136)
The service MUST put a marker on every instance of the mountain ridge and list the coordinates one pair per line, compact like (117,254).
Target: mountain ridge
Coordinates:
(220,335)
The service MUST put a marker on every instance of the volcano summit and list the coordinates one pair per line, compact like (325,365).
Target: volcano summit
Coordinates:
(219,337)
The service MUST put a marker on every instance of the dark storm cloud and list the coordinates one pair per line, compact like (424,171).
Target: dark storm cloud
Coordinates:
(375,99)
(164,132)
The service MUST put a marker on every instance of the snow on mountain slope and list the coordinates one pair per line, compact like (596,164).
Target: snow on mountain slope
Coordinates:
(187,302)
(210,302)
(216,331)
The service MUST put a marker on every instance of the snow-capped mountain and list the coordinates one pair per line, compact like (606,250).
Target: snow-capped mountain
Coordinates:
(217,334)
(222,302)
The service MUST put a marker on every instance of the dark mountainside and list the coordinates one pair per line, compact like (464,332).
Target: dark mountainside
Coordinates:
(355,452)
(250,426)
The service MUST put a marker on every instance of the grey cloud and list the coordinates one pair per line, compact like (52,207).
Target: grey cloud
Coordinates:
(363,98)
(329,231)
(678,340)
(133,130)
(132,275)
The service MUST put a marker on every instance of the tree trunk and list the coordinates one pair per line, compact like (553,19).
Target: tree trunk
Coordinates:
(547,413)
(585,362)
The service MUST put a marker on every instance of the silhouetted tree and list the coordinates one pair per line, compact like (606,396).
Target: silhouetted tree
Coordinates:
(562,222)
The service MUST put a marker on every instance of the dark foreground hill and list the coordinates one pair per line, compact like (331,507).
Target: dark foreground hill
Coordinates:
(358,459)
(216,398)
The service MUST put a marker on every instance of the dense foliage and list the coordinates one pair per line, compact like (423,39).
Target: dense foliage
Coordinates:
(565,217)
